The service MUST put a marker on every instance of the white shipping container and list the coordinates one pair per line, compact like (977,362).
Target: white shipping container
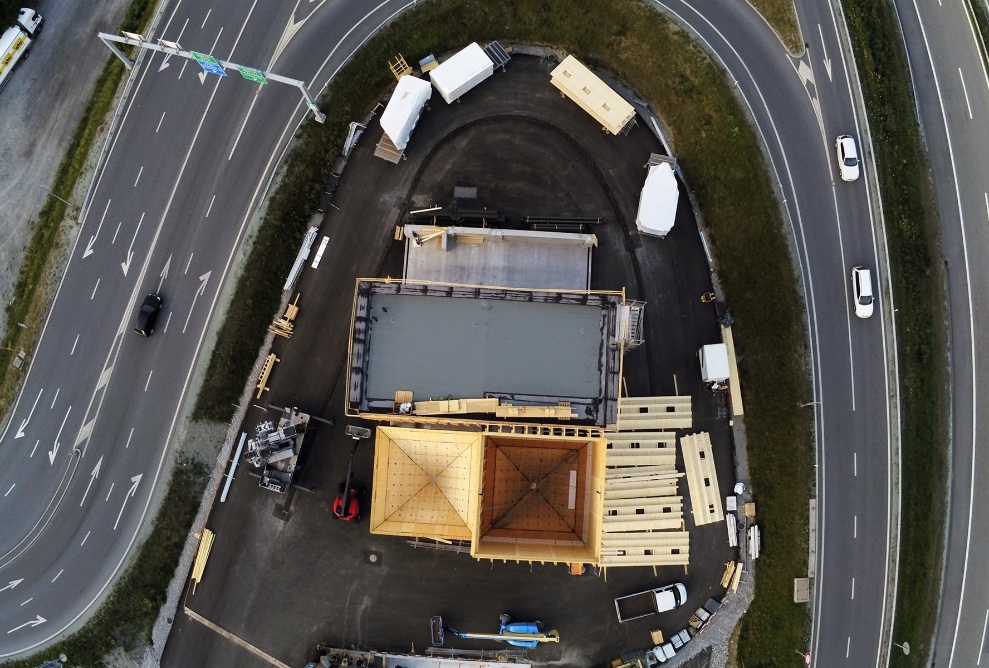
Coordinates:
(461,72)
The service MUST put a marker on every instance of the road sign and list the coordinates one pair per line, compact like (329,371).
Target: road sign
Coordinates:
(252,74)
(208,63)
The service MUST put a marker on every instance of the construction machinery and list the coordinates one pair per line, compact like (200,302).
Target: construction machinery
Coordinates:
(347,505)
(275,449)
(520,634)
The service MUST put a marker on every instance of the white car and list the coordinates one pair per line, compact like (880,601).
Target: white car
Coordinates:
(848,157)
(862,292)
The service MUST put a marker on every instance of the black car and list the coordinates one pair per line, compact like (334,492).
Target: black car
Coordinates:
(147,315)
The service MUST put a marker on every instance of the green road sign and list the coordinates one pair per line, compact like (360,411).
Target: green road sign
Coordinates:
(252,74)
(208,63)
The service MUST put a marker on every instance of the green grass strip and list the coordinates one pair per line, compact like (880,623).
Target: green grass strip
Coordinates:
(125,619)
(917,280)
(723,164)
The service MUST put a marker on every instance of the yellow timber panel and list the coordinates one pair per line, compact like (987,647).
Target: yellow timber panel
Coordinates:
(702,479)
(654,413)
(592,94)
(734,384)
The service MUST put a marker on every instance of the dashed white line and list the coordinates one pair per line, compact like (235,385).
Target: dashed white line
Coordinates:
(56,394)
(206,19)
(129,437)
(210,207)
(27,601)
(159,122)
(148,382)
(853,589)
(983,643)
(848,647)
(85,539)
(94,290)
(139,172)
(855,463)
(855,526)
(182,71)
(965,91)
(114,239)
(74,344)
(188,263)
(168,320)
(35,447)
(110,492)
(10,490)
(57,576)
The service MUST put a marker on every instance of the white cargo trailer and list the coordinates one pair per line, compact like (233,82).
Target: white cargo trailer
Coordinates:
(403,109)
(461,72)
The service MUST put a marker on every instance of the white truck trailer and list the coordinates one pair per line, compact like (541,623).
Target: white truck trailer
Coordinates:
(15,44)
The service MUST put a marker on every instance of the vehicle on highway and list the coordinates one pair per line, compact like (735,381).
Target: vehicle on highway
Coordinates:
(862,291)
(848,157)
(650,602)
(147,315)
(15,44)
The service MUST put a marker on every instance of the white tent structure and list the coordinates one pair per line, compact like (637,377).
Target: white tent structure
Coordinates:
(658,201)
(404,107)
(714,363)
(464,70)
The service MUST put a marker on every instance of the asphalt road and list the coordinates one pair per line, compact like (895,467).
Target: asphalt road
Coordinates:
(800,106)
(953,100)
(89,438)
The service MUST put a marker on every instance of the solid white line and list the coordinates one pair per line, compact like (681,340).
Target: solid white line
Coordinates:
(148,381)
(10,490)
(110,492)
(187,264)
(209,208)
(94,290)
(165,331)
(139,172)
(129,437)
(965,91)
(206,19)
(57,576)
(159,122)
(982,643)
(74,344)
(85,539)
(114,239)
(56,396)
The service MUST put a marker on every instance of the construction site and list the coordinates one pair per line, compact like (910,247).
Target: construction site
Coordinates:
(542,380)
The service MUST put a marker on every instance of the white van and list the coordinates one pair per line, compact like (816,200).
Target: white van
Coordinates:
(15,44)
(863,299)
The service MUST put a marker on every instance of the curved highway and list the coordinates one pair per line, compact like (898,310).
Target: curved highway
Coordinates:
(90,435)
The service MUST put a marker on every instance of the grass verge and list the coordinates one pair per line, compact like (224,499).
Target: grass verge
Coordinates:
(30,301)
(917,280)
(716,149)
(125,619)
(782,16)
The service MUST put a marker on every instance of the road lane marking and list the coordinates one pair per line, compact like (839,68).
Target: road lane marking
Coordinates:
(35,447)
(92,239)
(27,601)
(203,74)
(136,480)
(187,264)
(92,477)
(55,399)
(58,575)
(130,249)
(85,539)
(139,172)
(848,646)
(855,463)
(182,71)
(982,644)
(824,48)
(168,320)
(159,122)
(92,296)
(110,492)
(201,291)
(965,91)
(54,450)
(209,208)
(104,377)
(148,381)
(10,490)
(74,344)
(129,437)
(164,62)
(114,239)
(206,19)
(37,621)
(855,526)
(853,589)
(24,423)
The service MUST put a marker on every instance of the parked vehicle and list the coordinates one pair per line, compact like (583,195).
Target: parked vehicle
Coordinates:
(650,602)
(15,44)
(680,639)
(662,653)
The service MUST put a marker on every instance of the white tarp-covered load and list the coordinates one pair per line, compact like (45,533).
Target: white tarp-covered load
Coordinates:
(403,109)
(464,70)
(714,363)
(658,202)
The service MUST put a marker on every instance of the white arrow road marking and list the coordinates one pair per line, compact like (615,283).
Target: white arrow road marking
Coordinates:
(130,255)
(54,450)
(92,239)
(24,423)
(164,272)
(34,622)
(136,480)
(13,583)
(827,61)
(92,476)
(202,289)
